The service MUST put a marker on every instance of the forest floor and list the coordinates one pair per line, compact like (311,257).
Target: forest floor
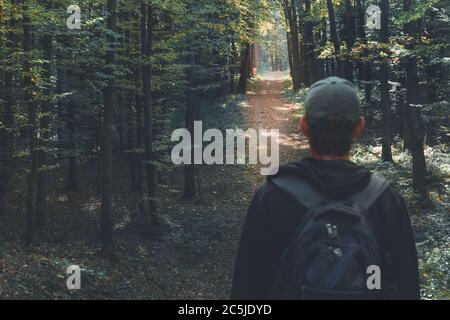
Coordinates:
(194,256)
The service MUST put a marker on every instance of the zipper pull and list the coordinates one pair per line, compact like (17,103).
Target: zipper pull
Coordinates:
(332,231)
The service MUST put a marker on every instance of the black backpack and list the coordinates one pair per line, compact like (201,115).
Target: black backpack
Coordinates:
(333,246)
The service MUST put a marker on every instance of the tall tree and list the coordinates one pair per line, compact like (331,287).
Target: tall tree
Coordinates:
(146,38)
(107,132)
(349,26)
(336,69)
(190,185)
(7,133)
(384,84)
(413,117)
(309,43)
(365,72)
(32,124)
(292,21)
(42,178)
(245,68)
(138,154)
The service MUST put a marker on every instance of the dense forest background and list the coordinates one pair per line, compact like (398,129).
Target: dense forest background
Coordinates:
(86,116)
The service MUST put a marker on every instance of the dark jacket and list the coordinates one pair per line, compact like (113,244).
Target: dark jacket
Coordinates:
(273,217)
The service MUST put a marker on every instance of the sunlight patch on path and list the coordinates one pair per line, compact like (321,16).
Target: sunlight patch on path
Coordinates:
(267,110)
(271,76)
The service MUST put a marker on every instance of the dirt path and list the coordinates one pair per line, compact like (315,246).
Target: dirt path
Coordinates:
(213,228)
(267,109)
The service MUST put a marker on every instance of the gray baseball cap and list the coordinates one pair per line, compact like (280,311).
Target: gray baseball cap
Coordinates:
(332,96)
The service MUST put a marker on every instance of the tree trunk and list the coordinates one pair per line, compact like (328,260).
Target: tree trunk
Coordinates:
(71,184)
(384,82)
(365,72)
(146,37)
(7,140)
(131,146)
(291,19)
(32,126)
(349,22)
(139,147)
(245,62)
(42,182)
(309,45)
(130,123)
(334,37)
(299,55)
(413,114)
(291,63)
(327,63)
(253,60)
(233,68)
(361,34)
(189,169)
(106,142)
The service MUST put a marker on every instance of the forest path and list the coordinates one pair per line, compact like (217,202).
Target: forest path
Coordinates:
(268,110)
(213,228)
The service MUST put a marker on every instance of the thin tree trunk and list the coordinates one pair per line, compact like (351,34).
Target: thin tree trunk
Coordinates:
(7,140)
(299,49)
(251,61)
(297,73)
(365,72)
(291,63)
(121,128)
(32,126)
(334,36)
(233,69)
(245,62)
(106,143)
(139,147)
(414,120)
(42,183)
(146,35)
(131,146)
(384,82)
(71,184)
(361,34)
(328,64)
(309,45)
(349,22)
(130,123)
(189,169)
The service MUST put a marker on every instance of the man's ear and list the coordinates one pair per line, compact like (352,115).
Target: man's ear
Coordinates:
(304,126)
(359,129)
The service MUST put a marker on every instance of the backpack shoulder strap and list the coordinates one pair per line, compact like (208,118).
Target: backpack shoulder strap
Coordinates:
(299,190)
(370,194)
(306,195)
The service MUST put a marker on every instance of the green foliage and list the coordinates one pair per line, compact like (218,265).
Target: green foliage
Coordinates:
(417,12)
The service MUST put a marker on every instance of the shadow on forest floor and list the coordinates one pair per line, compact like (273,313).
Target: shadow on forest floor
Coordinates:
(194,259)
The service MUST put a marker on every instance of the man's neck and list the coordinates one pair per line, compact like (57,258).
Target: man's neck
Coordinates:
(316,156)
